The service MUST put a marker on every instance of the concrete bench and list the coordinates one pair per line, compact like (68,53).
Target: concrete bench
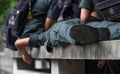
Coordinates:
(70,59)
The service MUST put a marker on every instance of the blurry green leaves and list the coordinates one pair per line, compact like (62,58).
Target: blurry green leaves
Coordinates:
(5,5)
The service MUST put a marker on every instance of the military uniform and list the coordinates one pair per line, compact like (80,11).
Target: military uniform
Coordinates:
(89,4)
(58,34)
(40,11)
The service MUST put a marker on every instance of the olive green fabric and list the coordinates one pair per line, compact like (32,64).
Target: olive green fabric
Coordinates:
(41,10)
(88,4)
(58,34)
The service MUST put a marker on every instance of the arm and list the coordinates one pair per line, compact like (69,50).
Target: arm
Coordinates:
(60,18)
(48,23)
(53,14)
(94,16)
(87,11)
(20,45)
(86,15)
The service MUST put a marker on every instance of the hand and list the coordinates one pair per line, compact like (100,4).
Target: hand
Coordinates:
(27,59)
(60,19)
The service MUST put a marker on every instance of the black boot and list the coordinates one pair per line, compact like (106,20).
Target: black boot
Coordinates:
(84,34)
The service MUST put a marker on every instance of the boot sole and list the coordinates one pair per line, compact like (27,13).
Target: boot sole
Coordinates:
(84,34)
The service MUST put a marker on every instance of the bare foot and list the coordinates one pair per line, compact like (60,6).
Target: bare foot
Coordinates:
(27,59)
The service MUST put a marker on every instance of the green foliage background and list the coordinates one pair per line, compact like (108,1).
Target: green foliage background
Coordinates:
(5,6)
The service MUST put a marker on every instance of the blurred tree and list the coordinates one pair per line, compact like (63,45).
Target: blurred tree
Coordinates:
(5,5)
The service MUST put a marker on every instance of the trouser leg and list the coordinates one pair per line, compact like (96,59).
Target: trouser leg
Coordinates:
(59,34)
(114,28)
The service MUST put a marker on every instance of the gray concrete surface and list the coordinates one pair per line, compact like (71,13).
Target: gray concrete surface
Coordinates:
(1,45)
(6,65)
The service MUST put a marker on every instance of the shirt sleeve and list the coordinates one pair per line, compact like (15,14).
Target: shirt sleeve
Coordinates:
(54,10)
(88,4)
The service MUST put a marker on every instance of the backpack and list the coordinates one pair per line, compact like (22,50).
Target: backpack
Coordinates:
(109,10)
(14,22)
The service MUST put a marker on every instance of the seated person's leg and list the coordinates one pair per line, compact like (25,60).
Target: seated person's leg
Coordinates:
(65,33)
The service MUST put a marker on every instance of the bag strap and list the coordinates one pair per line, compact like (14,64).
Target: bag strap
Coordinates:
(30,16)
